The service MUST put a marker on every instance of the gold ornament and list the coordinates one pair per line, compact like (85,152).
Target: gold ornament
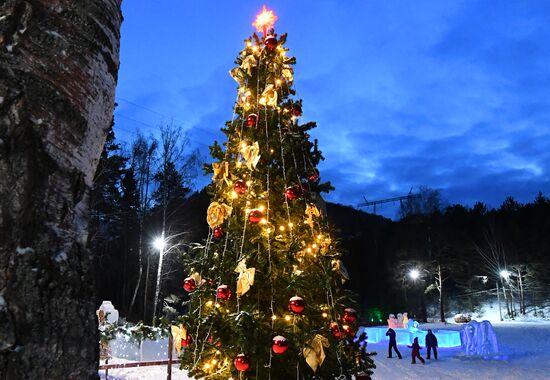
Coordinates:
(248,63)
(314,352)
(311,212)
(338,266)
(216,213)
(251,155)
(269,96)
(221,172)
(179,334)
(238,74)
(287,73)
(245,279)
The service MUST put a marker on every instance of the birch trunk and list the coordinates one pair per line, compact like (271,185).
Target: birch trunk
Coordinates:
(58,70)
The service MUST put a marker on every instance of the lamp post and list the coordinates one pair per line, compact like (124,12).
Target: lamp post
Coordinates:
(159,243)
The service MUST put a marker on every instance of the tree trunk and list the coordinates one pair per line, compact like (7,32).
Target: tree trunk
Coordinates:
(58,71)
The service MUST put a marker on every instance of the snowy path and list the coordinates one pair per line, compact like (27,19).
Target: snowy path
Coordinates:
(524,354)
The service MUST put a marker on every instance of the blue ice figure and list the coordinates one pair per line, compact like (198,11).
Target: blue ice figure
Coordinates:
(478,339)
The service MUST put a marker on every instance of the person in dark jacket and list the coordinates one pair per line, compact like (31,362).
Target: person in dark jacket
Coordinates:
(416,352)
(393,343)
(431,343)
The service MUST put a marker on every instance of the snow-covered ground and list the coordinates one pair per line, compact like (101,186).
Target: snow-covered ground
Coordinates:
(524,353)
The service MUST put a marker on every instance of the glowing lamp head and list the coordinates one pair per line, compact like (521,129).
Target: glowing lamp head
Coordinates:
(159,243)
(265,20)
(414,274)
(504,274)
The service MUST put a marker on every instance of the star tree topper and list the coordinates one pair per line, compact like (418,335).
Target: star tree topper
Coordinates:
(264,21)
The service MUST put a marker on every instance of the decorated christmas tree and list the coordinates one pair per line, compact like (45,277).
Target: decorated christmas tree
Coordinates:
(266,296)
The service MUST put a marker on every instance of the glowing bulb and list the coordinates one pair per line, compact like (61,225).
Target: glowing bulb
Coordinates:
(314,245)
(218,352)
(217,305)
(207,366)
(249,44)
(414,274)
(278,82)
(239,163)
(325,315)
(287,318)
(308,250)
(263,221)
(271,151)
(234,194)
(281,228)
(261,208)
(290,224)
(255,47)
(274,317)
(243,145)
(214,361)
(209,303)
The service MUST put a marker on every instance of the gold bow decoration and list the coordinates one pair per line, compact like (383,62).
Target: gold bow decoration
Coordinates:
(248,63)
(314,352)
(311,212)
(245,279)
(287,73)
(251,155)
(216,213)
(221,172)
(338,266)
(179,334)
(238,74)
(269,96)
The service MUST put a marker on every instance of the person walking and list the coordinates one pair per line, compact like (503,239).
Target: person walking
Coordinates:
(431,344)
(416,352)
(392,344)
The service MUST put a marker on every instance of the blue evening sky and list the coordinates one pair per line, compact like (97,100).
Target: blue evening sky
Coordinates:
(453,95)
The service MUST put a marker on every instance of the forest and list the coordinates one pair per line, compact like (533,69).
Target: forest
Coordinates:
(463,256)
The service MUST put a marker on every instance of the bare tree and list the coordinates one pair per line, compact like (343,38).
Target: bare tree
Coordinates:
(58,70)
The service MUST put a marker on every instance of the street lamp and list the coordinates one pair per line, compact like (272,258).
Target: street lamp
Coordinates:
(159,243)
(414,274)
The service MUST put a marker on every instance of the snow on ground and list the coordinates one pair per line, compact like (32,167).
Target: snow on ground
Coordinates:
(524,353)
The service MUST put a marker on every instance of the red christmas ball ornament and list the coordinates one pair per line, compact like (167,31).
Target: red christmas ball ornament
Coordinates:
(189,285)
(252,120)
(218,232)
(240,187)
(336,331)
(296,110)
(242,362)
(350,315)
(313,176)
(271,42)
(293,192)
(223,292)
(279,345)
(297,305)
(187,342)
(255,216)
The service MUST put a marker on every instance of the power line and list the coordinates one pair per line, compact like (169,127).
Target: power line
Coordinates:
(161,114)
(147,125)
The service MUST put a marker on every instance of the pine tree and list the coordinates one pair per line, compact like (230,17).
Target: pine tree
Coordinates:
(266,297)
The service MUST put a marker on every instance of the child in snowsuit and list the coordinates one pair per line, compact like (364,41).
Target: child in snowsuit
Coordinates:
(431,344)
(393,343)
(416,352)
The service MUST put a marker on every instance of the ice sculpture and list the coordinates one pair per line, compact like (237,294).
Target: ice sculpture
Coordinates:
(478,339)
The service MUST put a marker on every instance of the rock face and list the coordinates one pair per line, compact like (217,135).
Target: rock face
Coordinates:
(58,70)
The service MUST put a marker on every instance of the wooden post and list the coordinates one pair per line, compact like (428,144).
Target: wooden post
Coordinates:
(170,349)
